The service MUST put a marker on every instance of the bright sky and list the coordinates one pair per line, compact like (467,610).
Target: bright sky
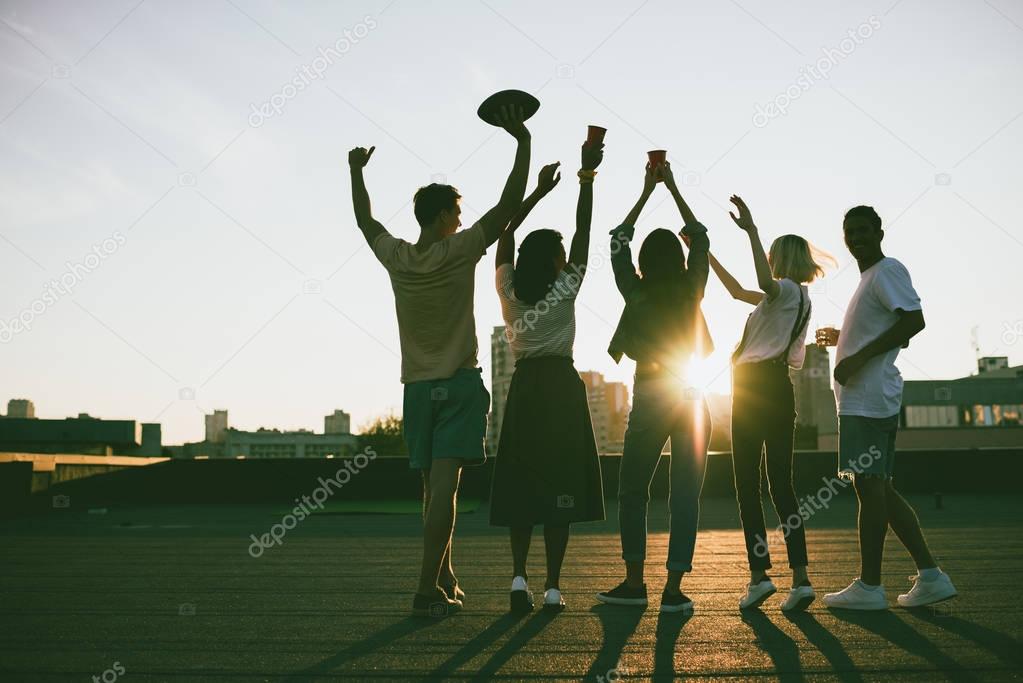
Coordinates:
(228,271)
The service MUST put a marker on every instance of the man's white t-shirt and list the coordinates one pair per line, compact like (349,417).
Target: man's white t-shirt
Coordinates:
(768,331)
(876,390)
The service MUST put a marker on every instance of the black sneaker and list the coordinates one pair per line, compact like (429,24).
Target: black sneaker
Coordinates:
(622,594)
(435,605)
(675,602)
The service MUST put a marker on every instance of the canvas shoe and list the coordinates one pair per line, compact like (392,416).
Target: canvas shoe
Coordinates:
(799,598)
(623,595)
(521,598)
(756,593)
(857,596)
(926,592)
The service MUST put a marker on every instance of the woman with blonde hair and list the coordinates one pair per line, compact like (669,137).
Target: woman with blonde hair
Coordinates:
(763,405)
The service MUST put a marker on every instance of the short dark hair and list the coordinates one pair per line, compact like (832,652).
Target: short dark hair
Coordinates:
(864,212)
(431,199)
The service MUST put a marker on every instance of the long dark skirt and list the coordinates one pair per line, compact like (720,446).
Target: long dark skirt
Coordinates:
(546,470)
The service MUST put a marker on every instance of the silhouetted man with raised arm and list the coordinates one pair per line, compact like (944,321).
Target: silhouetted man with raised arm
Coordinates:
(883,315)
(445,403)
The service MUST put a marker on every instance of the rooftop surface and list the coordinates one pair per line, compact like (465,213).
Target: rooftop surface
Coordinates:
(172,594)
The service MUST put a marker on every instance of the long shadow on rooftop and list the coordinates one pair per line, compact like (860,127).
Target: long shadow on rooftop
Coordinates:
(896,631)
(527,632)
(1002,645)
(669,626)
(777,644)
(378,640)
(474,647)
(618,623)
(828,645)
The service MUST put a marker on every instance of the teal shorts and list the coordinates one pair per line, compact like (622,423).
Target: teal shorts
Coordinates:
(446,418)
(866,445)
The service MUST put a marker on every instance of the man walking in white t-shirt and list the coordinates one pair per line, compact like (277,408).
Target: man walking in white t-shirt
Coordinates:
(883,315)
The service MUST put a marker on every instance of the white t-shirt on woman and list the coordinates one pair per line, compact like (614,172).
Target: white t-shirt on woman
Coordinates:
(769,327)
(546,328)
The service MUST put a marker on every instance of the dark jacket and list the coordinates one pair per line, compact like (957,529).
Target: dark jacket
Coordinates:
(664,324)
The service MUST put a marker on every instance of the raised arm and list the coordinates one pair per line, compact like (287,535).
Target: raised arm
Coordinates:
(694,234)
(669,182)
(579,253)
(548,179)
(621,237)
(496,219)
(765,278)
(737,291)
(370,227)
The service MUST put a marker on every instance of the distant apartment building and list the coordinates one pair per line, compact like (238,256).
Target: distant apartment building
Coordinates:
(272,443)
(224,442)
(980,411)
(338,422)
(21,407)
(216,426)
(81,435)
(815,400)
(502,366)
(609,411)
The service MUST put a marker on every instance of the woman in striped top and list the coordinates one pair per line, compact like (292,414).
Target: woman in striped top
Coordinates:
(547,470)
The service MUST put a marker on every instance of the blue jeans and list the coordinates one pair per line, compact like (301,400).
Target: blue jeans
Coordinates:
(661,409)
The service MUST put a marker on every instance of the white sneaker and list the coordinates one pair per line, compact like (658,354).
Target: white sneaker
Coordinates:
(521,598)
(552,600)
(756,593)
(799,599)
(857,596)
(928,592)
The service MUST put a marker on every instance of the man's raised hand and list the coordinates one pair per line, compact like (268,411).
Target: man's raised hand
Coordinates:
(359,157)
(745,219)
(512,120)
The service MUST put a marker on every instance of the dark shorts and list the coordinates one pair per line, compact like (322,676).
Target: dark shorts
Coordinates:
(866,445)
(446,418)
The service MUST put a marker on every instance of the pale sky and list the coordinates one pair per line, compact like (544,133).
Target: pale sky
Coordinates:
(230,273)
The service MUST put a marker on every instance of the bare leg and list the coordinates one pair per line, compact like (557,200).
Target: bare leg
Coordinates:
(906,526)
(447,573)
(555,538)
(521,536)
(439,521)
(873,526)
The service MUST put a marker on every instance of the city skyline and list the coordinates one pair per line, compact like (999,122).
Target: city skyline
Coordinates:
(177,229)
